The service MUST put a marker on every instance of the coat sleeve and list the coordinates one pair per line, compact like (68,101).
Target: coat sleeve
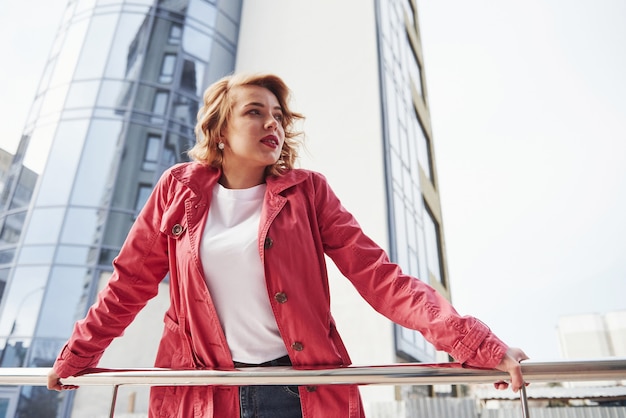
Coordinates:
(403,299)
(137,271)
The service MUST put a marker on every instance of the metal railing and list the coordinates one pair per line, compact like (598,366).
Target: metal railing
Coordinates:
(613,369)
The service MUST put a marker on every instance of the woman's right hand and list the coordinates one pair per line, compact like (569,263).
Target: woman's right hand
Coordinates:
(54,382)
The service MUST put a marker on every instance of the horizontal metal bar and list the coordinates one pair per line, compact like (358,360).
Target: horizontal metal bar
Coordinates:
(402,373)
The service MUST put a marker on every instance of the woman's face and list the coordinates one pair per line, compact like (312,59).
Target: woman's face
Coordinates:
(254,134)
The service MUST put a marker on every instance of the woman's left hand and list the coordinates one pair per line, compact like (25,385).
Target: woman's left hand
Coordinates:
(511,364)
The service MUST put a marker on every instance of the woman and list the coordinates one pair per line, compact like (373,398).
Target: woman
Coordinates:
(243,236)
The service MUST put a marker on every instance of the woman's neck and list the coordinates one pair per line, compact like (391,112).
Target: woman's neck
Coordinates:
(241,179)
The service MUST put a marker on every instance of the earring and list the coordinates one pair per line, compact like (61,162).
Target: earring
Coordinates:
(220,145)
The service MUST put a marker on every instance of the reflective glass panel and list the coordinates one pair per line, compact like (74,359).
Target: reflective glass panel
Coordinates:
(40,254)
(56,182)
(58,312)
(75,254)
(192,76)
(222,62)
(21,306)
(53,101)
(227,28)
(197,43)
(433,245)
(70,52)
(184,109)
(84,5)
(44,225)
(231,8)
(107,255)
(151,155)
(423,266)
(176,34)
(82,226)
(94,54)
(168,66)
(143,192)
(175,149)
(128,47)
(118,225)
(202,11)
(14,352)
(46,76)
(43,353)
(12,228)
(400,222)
(6,257)
(408,10)
(38,147)
(414,69)
(97,166)
(423,150)
(24,189)
(115,94)
(82,94)
(159,106)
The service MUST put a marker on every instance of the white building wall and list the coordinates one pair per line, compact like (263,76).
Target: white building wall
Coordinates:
(583,337)
(616,327)
(593,336)
(326,51)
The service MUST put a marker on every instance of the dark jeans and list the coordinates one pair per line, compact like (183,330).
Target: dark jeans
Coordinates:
(265,401)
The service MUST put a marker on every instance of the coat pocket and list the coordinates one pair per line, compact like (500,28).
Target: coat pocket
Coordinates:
(340,347)
(174,349)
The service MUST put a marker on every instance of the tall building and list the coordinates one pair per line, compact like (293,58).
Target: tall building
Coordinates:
(116,106)
(593,335)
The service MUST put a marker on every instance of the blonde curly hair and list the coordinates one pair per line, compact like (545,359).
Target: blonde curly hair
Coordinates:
(216,110)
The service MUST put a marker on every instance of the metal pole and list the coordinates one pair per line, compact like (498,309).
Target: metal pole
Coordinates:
(113,401)
(403,373)
(524,399)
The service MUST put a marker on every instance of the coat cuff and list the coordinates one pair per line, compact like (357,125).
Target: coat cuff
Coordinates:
(479,347)
(70,364)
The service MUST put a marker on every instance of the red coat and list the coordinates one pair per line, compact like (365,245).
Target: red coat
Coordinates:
(301,220)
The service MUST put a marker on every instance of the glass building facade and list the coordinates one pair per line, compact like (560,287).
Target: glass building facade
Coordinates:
(115,107)
(414,211)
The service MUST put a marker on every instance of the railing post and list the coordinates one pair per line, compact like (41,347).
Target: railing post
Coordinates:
(524,400)
(113,401)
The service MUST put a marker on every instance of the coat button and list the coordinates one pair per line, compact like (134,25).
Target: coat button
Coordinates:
(269,243)
(297,346)
(177,230)
(280,297)
(311,388)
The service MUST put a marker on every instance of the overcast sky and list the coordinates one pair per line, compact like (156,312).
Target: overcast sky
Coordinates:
(528,106)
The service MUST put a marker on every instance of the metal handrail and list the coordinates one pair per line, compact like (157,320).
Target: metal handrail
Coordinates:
(403,374)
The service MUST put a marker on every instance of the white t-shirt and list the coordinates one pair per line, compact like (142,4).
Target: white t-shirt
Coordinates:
(235,277)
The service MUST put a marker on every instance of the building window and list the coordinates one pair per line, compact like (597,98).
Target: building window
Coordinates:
(143,193)
(175,35)
(423,147)
(167,68)
(433,246)
(151,154)
(412,346)
(409,9)
(159,106)
(414,67)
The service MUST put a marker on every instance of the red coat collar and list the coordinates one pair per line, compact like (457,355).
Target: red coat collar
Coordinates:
(197,176)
